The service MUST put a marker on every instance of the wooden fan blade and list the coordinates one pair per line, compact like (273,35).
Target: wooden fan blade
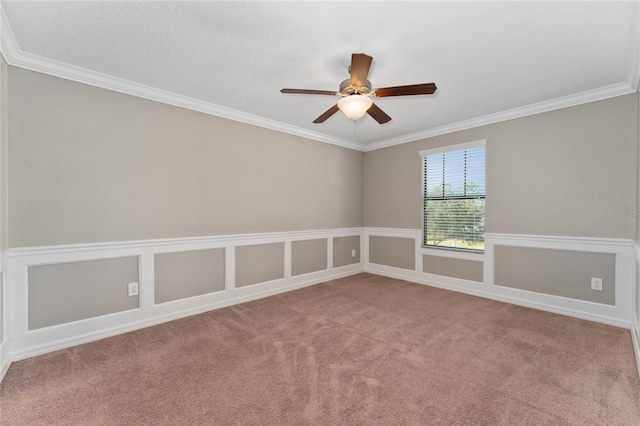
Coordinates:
(308,92)
(328,113)
(414,89)
(379,115)
(360,64)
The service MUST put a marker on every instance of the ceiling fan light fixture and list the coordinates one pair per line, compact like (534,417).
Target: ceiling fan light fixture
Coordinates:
(355,106)
(356,93)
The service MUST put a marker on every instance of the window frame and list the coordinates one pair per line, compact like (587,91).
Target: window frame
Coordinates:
(439,250)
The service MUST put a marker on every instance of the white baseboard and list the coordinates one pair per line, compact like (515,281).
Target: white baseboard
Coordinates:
(635,338)
(618,315)
(5,360)
(635,317)
(101,328)
(544,302)
(19,342)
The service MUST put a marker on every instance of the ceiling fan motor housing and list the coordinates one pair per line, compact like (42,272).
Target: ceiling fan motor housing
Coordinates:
(346,88)
(357,94)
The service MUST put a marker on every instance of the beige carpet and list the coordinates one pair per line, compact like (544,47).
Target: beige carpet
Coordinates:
(363,350)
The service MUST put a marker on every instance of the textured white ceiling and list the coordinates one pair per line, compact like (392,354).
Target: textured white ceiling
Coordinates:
(485,57)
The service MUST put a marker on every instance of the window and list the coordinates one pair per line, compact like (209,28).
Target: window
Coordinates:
(454,197)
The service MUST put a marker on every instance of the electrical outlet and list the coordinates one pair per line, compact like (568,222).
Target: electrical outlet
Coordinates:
(133,289)
(596,284)
(353,253)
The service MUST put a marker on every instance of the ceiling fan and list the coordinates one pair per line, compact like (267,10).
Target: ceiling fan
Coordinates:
(356,93)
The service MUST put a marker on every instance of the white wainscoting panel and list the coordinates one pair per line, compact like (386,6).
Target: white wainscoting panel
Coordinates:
(5,360)
(635,318)
(18,342)
(618,315)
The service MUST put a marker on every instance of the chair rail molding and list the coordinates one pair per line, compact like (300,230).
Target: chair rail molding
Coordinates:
(18,342)
(619,315)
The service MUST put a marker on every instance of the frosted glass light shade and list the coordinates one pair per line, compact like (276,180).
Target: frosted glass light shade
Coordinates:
(354,106)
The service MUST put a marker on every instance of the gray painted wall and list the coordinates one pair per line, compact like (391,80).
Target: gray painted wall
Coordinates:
(556,173)
(569,172)
(558,272)
(392,251)
(3,178)
(188,274)
(4,143)
(343,248)
(259,263)
(91,165)
(308,256)
(637,283)
(638,170)
(457,268)
(73,291)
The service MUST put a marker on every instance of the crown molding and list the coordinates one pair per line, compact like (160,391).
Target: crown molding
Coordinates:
(8,44)
(16,57)
(81,75)
(633,71)
(611,91)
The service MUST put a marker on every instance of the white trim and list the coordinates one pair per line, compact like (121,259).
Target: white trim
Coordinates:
(635,339)
(633,70)
(606,92)
(26,343)
(636,251)
(170,245)
(621,248)
(146,266)
(8,43)
(22,343)
(14,56)
(454,254)
(618,314)
(5,363)
(5,359)
(604,245)
(330,253)
(229,268)
(287,259)
(635,317)
(544,302)
(449,148)
(393,232)
(85,331)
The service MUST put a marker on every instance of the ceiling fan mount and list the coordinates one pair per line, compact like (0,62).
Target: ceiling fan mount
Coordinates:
(346,88)
(355,89)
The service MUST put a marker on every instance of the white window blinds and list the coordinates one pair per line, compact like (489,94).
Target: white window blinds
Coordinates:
(454,198)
